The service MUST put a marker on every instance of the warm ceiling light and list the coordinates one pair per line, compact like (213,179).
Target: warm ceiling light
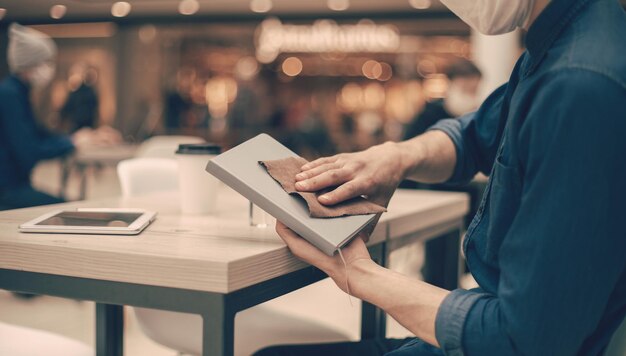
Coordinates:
(261,6)
(246,68)
(371,69)
(147,33)
(420,4)
(58,11)
(386,72)
(120,9)
(292,66)
(338,5)
(3,12)
(188,7)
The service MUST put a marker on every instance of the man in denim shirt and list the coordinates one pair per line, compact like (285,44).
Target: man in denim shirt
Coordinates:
(547,246)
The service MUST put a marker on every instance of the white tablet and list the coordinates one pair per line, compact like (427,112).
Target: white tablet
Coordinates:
(91,221)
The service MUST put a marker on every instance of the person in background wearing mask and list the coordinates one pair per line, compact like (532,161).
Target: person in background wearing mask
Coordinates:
(547,244)
(23,142)
(462,97)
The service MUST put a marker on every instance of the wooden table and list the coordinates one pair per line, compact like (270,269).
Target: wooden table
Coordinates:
(89,157)
(214,266)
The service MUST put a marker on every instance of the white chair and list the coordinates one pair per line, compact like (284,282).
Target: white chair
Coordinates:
(146,175)
(22,341)
(164,146)
(255,328)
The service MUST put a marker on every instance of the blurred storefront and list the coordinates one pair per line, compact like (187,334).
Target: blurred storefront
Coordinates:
(320,85)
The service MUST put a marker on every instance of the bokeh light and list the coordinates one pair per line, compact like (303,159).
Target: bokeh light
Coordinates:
(120,9)
(386,72)
(436,86)
(246,68)
(420,4)
(188,7)
(261,6)
(58,11)
(338,5)
(426,68)
(292,66)
(147,33)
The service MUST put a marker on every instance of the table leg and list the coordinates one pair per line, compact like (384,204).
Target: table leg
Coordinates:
(218,333)
(65,174)
(109,330)
(442,263)
(83,182)
(374,319)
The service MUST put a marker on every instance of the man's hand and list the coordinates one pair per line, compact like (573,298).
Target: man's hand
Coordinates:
(411,302)
(101,137)
(355,254)
(375,173)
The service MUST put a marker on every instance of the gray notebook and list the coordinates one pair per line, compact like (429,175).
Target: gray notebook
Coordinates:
(239,168)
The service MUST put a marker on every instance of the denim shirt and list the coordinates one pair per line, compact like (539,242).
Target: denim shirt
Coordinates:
(547,245)
(22,141)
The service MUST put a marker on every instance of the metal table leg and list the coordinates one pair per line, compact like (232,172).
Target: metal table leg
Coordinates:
(65,174)
(442,264)
(218,333)
(109,330)
(82,169)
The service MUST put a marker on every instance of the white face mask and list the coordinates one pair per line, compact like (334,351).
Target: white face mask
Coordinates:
(42,75)
(457,102)
(492,17)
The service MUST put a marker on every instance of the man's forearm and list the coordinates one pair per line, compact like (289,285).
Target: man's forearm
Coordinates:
(428,158)
(413,303)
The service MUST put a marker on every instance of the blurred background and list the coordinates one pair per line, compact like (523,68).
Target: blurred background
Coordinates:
(322,76)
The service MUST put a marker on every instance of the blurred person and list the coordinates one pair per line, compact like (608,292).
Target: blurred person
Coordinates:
(178,101)
(23,141)
(462,97)
(81,107)
(547,245)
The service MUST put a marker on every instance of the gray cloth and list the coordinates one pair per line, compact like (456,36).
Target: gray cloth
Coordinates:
(284,172)
(28,48)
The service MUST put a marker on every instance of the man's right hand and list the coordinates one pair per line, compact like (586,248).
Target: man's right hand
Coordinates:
(375,173)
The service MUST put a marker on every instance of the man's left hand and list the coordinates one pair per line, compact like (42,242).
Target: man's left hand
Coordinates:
(354,253)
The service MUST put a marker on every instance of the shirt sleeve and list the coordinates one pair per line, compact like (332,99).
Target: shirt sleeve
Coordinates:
(475,136)
(26,142)
(564,252)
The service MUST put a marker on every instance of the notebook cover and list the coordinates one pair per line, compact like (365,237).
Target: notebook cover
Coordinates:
(239,168)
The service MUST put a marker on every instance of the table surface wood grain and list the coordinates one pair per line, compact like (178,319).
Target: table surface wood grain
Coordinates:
(214,253)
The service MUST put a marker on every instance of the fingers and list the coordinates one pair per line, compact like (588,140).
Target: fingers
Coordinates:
(344,192)
(326,179)
(318,162)
(286,234)
(302,248)
(315,171)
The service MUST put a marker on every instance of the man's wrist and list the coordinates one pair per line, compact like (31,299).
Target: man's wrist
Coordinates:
(409,155)
(360,275)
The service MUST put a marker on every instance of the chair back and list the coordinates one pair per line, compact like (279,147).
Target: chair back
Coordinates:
(147,175)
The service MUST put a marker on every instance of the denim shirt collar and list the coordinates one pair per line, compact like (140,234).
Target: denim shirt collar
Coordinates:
(557,15)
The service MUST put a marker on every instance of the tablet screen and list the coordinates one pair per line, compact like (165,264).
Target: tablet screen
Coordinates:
(90,218)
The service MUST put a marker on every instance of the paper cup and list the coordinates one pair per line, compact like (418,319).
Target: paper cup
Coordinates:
(198,189)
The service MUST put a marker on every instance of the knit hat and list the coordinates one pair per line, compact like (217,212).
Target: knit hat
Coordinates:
(28,48)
